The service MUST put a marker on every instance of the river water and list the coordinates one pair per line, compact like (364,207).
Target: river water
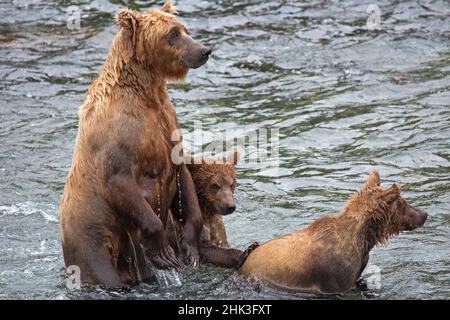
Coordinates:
(346,99)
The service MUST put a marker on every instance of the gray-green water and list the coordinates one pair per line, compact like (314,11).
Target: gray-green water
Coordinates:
(346,100)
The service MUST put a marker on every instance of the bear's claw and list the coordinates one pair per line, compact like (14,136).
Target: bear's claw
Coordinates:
(166,259)
(191,256)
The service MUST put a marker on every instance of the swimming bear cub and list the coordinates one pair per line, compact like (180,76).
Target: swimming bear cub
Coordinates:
(329,255)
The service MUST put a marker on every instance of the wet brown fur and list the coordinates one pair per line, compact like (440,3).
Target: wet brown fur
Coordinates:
(122,175)
(329,255)
(206,172)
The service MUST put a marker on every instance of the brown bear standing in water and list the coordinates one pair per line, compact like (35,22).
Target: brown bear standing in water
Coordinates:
(123,180)
(330,255)
(215,182)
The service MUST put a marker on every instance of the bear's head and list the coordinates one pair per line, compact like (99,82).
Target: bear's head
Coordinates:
(215,183)
(156,40)
(382,212)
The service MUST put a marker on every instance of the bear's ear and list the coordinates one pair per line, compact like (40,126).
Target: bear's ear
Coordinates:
(373,180)
(391,194)
(127,18)
(169,7)
(233,157)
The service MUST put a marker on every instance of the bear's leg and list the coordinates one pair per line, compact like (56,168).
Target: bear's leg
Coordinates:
(96,267)
(123,193)
(174,231)
(191,216)
(94,262)
(222,257)
(363,265)
(218,234)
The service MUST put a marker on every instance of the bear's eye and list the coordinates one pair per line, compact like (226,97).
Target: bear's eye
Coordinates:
(174,33)
(402,205)
(215,186)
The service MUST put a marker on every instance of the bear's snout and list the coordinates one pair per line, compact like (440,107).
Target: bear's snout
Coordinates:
(416,219)
(229,209)
(206,52)
(424,217)
(421,217)
(195,55)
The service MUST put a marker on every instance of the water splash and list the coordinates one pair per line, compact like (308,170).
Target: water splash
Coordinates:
(138,272)
(180,210)
(30,208)
(159,206)
(167,278)
(175,230)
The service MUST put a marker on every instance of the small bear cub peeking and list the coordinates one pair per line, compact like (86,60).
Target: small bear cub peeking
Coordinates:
(215,183)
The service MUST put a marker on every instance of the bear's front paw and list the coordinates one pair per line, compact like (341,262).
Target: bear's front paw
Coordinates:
(165,259)
(190,254)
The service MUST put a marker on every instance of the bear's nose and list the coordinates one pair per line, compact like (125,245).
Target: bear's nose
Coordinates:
(230,209)
(424,217)
(206,52)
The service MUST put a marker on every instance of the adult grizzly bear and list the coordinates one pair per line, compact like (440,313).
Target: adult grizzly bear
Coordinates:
(123,180)
(215,183)
(330,255)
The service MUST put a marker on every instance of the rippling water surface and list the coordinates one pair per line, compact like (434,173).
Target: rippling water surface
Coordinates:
(346,100)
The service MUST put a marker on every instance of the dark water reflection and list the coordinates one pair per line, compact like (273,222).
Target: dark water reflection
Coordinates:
(346,100)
